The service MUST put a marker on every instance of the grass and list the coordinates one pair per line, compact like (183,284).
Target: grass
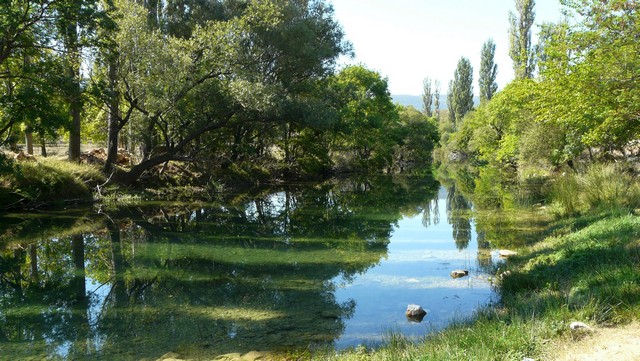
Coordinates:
(585,270)
(599,187)
(46,181)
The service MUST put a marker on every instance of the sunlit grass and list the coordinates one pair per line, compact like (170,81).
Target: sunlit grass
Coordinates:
(600,187)
(47,181)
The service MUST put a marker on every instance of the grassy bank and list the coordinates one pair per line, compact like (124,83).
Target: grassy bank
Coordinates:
(46,182)
(587,270)
(584,266)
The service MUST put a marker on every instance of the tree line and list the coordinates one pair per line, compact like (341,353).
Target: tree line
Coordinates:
(574,99)
(217,84)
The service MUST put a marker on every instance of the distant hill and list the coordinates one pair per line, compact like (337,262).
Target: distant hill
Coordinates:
(406,100)
(416,101)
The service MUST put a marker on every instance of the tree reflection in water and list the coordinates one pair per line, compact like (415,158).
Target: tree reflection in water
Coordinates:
(459,216)
(251,273)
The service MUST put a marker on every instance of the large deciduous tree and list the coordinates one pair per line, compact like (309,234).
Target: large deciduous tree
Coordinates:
(520,47)
(24,34)
(368,117)
(591,75)
(238,73)
(76,25)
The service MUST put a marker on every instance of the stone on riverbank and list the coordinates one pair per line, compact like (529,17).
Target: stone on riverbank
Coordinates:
(459,273)
(505,253)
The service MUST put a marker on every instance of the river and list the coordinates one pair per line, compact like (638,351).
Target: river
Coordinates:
(329,265)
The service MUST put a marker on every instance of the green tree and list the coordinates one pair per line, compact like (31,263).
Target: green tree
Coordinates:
(461,91)
(242,73)
(427,96)
(418,137)
(488,71)
(591,70)
(368,118)
(24,43)
(520,47)
(76,28)
(436,98)
(450,103)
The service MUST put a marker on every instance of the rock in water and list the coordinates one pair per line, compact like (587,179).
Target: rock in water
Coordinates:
(415,313)
(459,273)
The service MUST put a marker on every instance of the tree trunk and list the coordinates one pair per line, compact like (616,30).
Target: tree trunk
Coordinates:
(79,317)
(148,139)
(43,147)
(136,171)
(18,256)
(79,278)
(118,264)
(33,255)
(74,131)
(29,141)
(114,125)
(75,103)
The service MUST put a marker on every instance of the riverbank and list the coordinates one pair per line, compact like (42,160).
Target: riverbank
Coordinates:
(46,182)
(584,269)
(52,183)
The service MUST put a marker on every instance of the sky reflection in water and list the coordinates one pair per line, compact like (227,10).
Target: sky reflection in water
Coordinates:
(416,271)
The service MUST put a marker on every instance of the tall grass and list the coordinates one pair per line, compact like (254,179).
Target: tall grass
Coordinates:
(599,188)
(47,181)
(609,186)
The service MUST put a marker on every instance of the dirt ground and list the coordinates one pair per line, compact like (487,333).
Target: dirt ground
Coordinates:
(610,344)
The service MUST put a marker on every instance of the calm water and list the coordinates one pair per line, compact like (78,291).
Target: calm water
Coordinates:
(332,265)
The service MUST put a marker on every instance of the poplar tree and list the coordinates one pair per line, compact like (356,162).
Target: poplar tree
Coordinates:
(488,71)
(520,48)
(436,99)
(450,103)
(427,96)
(460,96)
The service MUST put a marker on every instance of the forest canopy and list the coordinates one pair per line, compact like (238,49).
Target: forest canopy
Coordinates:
(218,84)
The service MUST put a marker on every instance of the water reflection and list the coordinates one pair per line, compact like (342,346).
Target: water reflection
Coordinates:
(422,253)
(459,217)
(254,272)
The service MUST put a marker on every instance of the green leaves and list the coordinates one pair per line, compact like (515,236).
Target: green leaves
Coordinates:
(520,49)
(594,68)
(460,96)
(488,71)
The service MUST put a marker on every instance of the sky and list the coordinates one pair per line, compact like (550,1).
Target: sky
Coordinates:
(409,40)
